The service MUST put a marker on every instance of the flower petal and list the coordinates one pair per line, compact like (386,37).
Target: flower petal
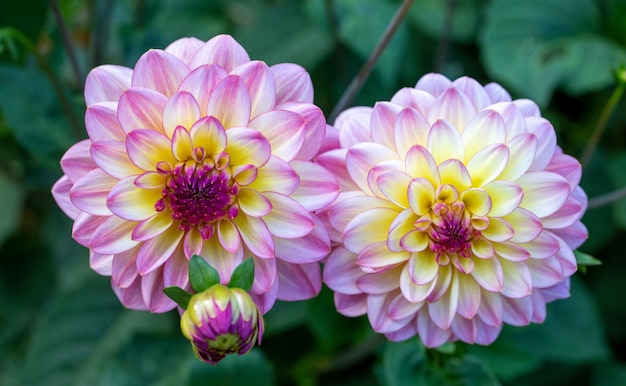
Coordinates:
(315,128)
(317,188)
(230,103)
(77,161)
(420,163)
(106,83)
(101,122)
(517,279)
(228,236)
(259,80)
(247,146)
(182,109)
(200,83)
(394,185)
(421,195)
(442,312)
(208,134)
(256,236)
(184,48)
(293,83)
(124,268)
(155,251)
(469,296)
(544,192)
(287,218)
(141,108)
(160,71)
(525,223)
(89,193)
(276,176)
(223,261)
(505,197)
(410,128)
(354,126)
(113,236)
(383,118)
(341,271)
(419,100)
(423,267)
(445,142)
(487,164)
(380,282)
(130,202)
(310,248)
(222,50)
(111,157)
(368,227)
(489,274)
(146,148)
(152,292)
(253,203)
(522,150)
(284,130)
(377,255)
(362,157)
(153,226)
(454,107)
(61,193)
(298,281)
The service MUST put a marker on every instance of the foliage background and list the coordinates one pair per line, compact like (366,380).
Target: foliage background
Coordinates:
(60,323)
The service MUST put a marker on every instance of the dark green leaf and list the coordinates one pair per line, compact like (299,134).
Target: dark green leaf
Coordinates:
(243,275)
(583,260)
(11,199)
(201,275)
(430,16)
(538,45)
(179,295)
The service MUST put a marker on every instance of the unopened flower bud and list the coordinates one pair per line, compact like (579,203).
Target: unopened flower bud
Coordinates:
(222,321)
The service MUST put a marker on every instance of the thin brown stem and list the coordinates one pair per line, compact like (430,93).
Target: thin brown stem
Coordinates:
(68,43)
(607,199)
(355,86)
(444,39)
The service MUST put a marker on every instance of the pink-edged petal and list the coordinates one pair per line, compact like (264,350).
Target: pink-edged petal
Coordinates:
(498,230)
(244,175)
(546,144)
(77,161)
(558,291)
(84,227)
(176,270)
(487,164)
(317,188)
(181,109)
(505,197)
(131,296)
(354,126)
(265,275)
(574,235)
(124,268)
(433,83)
(351,305)
(419,100)
(141,108)
(401,225)
(200,83)
(568,167)
(473,91)
(415,293)
(293,83)
(101,122)
(146,148)
(469,296)
(193,242)
(414,241)
(545,272)
(380,282)
(101,264)
(258,78)
(445,142)
(517,279)
(276,176)
(442,311)
(394,185)
(453,107)
(314,127)
(89,193)
(526,225)
(483,249)
(383,119)
(544,192)
(344,210)
(376,256)
(298,281)
(152,292)
(181,144)
(208,134)
(230,103)
(518,312)
(130,202)
(253,203)
(477,201)
(544,245)
(284,130)
(113,236)
(247,146)
(423,267)
(410,128)
(378,311)
(432,336)
(222,50)
(514,121)
(184,48)
(156,251)
(497,93)
(222,260)
(150,180)
(160,71)
(112,157)
(566,259)
(527,107)
(256,235)
(400,308)
(489,274)
(522,150)
(61,193)
(106,83)
(377,170)
(362,157)
(368,227)
(511,251)
(571,211)
(287,218)
(153,226)
(420,163)
(490,308)
(310,248)
(421,195)
(228,236)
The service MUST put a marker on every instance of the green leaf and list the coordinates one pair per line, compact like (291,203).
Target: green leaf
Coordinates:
(11,197)
(248,369)
(179,295)
(201,275)
(430,16)
(583,260)
(536,46)
(243,275)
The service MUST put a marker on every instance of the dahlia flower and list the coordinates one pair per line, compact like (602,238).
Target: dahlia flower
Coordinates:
(221,321)
(458,213)
(199,150)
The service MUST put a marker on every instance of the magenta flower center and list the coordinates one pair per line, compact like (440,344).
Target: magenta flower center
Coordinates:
(199,192)
(451,232)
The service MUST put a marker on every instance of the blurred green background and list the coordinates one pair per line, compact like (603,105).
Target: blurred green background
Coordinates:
(60,323)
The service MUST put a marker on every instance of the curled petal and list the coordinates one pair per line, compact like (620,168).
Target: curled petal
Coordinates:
(293,83)
(160,71)
(287,219)
(284,130)
(229,102)
(89,193)
(106,83)
(362,157)
(146,148)
(394,184)
(317,188)
(222,50)
(253,203)
(141,108)
(259,80)
(255,235)
(101,122)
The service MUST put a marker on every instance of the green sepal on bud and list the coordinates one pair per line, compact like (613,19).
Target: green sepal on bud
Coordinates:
(584,260)
(203,276)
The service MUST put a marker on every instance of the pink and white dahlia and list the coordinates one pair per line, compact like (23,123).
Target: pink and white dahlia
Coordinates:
(458,213)
(199,150)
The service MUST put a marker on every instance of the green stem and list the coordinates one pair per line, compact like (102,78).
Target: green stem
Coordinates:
(68,43)
(598,130)
(355,86)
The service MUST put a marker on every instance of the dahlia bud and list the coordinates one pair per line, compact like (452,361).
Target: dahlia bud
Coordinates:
(221,321)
